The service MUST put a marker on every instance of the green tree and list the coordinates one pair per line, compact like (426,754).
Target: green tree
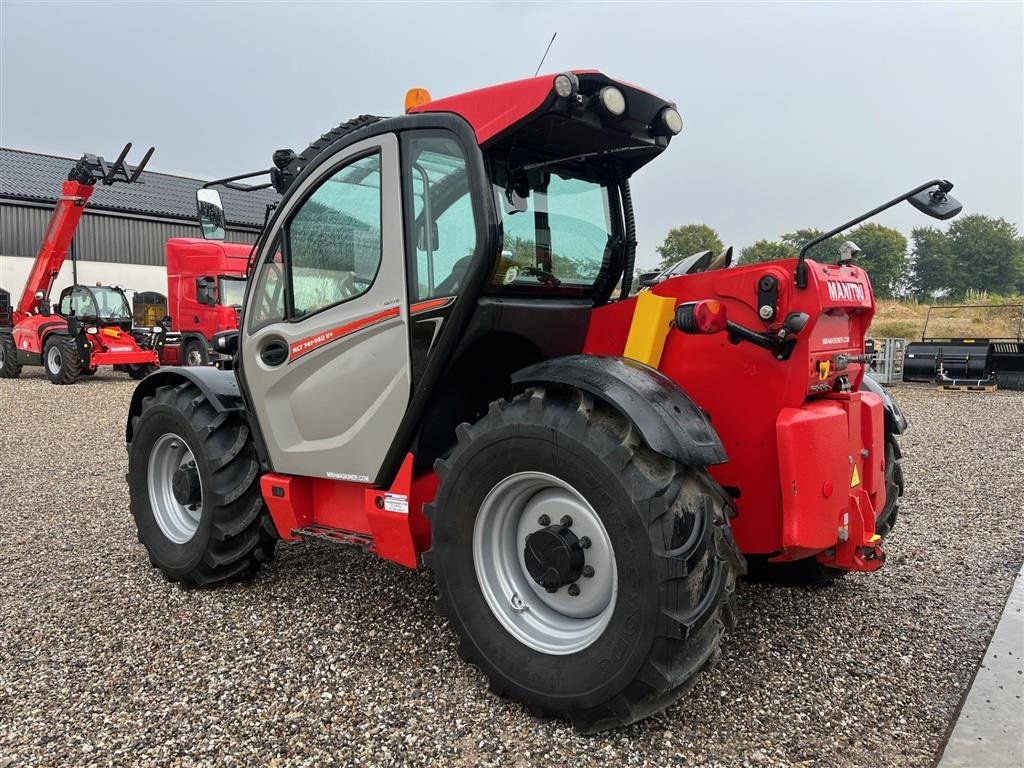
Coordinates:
(884,257)
(687,240)
(987,255)
(826,252)
(766,250)
(932,258)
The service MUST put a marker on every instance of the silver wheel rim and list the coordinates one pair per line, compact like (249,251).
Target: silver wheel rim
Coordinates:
(177,521)
(194,357)
(2,353)
(554,623)
(54,360)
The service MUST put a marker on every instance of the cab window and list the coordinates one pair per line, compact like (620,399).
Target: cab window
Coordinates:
(558,231)
(442,229)
(330,249)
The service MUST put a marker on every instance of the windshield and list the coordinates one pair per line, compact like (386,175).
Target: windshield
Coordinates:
(558,230)
(232,291)
(110,303)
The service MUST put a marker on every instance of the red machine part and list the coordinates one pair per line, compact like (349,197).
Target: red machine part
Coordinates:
(66,216)
(792,445)
(388,522)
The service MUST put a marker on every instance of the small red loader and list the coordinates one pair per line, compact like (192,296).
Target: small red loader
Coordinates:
(91,325)
(439,354)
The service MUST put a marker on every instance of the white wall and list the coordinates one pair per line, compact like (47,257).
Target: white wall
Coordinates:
(14,272)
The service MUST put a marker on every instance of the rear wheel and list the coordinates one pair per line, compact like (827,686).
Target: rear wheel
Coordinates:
(61,359)
(586,575)
(195,496)
(10,368)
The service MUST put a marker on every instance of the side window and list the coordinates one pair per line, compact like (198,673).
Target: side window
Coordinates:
(271,288)
(330,250)
(65,304)
(334,245)
(443,228)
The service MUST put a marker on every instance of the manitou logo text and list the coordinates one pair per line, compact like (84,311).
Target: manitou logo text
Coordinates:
(839,291)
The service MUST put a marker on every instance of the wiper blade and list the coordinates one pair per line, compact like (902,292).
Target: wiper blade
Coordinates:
(584,156)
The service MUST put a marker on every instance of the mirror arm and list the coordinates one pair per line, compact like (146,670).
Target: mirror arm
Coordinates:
(226,181)
(801,266)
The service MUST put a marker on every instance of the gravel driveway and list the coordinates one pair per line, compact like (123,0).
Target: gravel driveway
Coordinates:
(335,658)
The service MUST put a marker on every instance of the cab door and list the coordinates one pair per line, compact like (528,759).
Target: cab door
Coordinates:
(324,346)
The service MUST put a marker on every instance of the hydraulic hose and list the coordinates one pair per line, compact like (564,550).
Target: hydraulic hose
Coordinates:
(630,221)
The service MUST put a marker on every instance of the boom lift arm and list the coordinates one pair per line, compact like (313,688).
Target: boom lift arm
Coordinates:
(75,195)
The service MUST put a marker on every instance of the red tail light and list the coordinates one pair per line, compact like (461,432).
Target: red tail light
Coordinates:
(707,316)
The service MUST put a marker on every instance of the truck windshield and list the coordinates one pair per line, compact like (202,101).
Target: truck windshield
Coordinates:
(110,303)
(558,231)
(232,291)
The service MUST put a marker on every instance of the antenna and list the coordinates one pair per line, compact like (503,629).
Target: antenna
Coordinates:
(545,54)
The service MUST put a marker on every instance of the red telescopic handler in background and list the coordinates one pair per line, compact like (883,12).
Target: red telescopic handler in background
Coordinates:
(91,325)
(439,355)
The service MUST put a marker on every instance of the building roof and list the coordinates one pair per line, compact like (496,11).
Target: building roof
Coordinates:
(37,177)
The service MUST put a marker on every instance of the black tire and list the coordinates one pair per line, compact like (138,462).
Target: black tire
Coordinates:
(139,371)
(235,534)
(294,164)
(893,486)
(674,552)
(88,371)
(10,368)
(195,347)
(61,360)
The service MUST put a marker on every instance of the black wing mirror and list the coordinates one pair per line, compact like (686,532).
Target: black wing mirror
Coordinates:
(211,214)
(936,202)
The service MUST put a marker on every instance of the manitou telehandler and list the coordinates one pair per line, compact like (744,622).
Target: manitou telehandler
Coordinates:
(92,324)
(430,361)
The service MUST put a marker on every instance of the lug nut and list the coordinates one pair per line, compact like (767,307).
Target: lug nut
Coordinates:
(566,522)
(573,590)
(588,571)
(544,521)
(585,542)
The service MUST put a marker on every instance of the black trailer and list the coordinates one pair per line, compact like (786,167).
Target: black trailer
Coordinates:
(993,360)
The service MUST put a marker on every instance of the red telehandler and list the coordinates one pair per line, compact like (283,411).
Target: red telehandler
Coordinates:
(433,359)
(91,325)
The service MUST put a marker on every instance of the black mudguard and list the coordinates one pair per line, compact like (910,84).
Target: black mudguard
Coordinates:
(669,421)
(895,421)
(220,387)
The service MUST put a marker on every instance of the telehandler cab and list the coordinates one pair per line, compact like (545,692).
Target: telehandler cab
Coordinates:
(433,359)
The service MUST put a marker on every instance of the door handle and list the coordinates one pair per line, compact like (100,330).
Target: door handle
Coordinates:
(274,352)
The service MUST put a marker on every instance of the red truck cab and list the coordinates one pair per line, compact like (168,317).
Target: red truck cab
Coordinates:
(205,290)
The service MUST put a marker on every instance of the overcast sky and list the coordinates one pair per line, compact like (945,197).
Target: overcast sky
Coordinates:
(795,114)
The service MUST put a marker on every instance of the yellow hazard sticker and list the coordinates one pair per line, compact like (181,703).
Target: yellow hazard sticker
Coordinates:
(856,477)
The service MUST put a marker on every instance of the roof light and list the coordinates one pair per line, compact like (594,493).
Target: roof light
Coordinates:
(612,100)
(671,120)
(566,85)
(416,97)
(707,316)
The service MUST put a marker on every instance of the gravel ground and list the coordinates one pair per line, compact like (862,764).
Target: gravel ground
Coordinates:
(335,658)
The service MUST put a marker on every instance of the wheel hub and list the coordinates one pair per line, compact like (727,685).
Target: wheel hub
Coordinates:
(554,557)
(185,485)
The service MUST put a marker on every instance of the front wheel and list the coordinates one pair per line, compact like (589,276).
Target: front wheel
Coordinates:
(61,359)
(140,371)
(194,488)
(10,368)
(586,575)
